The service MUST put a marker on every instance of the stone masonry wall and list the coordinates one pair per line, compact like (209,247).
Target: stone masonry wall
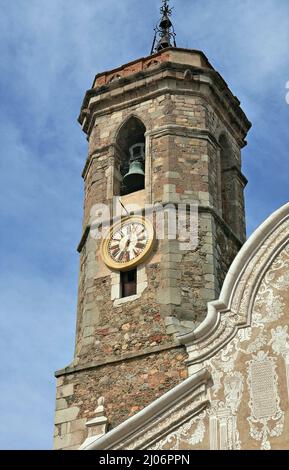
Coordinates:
(115,330)
(127,386)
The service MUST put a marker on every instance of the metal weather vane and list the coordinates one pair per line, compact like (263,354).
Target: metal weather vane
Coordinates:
(165,35)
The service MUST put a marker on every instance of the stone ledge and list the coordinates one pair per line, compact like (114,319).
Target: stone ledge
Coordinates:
(184,131)
(204,62)
(236,170)
(112,360)
(167,71)
(201,208)
(99,151)
(83,238)
(111,105)
(223,224)
(118,302)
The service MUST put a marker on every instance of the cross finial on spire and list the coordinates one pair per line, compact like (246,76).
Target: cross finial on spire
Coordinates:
(165,35)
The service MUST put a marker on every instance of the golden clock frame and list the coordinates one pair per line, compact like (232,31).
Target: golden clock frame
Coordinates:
(126,266)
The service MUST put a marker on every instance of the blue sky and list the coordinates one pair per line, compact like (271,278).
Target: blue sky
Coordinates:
(49,54)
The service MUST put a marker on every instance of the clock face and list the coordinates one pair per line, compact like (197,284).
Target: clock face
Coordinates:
(128,243)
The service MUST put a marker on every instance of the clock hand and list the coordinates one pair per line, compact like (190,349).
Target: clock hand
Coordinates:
(127,245)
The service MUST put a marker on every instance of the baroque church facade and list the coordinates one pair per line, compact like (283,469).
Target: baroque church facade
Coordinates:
(176,347)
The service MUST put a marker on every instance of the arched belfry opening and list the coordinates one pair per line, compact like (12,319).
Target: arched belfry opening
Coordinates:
(130,158)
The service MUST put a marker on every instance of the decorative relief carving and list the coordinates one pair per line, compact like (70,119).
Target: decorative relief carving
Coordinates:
(206,347)
(265,416)
(223,427)
(279,340)
(186,436)
(280,345)
(260,341)
(194,404)
(233,387)
(267,419)
(217,376)
(252,273)
(269,304)
(262,386)
(240,312)
(223,422)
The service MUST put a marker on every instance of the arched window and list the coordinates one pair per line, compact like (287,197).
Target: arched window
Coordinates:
(130,144)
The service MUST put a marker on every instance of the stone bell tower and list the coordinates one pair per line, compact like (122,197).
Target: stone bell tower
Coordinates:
(163,129)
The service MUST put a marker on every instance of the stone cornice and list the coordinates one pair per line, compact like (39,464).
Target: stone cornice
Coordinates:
(174,129)
(113,360)
(236,170)
(223,224)
(184,131)
(170,129)
(83,238)
(109,95)
(207,209)
(98,151)
(204,60)
(166,65)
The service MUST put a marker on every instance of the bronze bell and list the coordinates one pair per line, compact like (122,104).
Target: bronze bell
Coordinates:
(165,22)
(164,42)
(134,178)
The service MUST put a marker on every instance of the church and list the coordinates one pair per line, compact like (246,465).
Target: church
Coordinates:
(181,344)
